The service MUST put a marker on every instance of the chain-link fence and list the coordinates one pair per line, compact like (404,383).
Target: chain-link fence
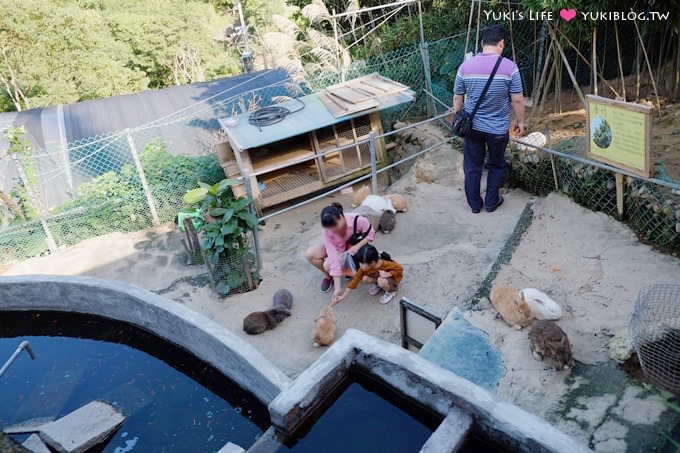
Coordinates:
(130,180)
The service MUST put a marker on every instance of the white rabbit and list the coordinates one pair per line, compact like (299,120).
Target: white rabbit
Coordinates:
(542,306)
(378,203)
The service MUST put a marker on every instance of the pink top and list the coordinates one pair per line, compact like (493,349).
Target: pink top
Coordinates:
(335,244)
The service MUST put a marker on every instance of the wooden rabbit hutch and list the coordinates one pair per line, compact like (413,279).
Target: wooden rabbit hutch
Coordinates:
(286,158)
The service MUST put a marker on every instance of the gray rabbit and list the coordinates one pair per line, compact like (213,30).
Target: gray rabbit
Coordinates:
(388,220)
(259,321)
(549,342)
(283,300)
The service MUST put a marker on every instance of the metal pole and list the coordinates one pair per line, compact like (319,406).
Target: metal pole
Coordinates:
(251,206)
(37,204)
(374,161)
(552,158)
(142,178)
(341,66)
(63,146)
(247,53)
(425,55)
(24,346)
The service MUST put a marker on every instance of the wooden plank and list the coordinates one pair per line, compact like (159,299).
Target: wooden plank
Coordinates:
(275,161)
(620,188)
(338,108)
(347,94)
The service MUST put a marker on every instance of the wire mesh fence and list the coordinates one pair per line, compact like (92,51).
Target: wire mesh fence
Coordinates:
(655,334)
(132,179)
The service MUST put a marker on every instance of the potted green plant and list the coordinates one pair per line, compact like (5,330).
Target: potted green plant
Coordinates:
(224,235)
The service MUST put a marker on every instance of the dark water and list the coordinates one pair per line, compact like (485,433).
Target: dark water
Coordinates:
(365,416)
(174,402)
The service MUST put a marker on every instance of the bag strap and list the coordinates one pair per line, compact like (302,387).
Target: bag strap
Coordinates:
(486,87)
(356,224)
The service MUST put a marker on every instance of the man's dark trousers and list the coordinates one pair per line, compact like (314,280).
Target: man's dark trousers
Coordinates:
(477,147)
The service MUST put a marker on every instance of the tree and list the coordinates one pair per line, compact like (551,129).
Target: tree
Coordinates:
(163,34)
(54,53)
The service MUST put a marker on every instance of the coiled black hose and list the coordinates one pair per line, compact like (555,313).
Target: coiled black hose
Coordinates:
(266,116)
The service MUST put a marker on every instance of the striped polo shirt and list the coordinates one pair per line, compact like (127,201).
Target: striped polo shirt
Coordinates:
(493,115)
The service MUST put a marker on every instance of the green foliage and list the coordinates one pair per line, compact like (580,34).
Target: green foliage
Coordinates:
(21,147)
(115,201)
(64,51)
(158,31)
(224,238)
(59,52)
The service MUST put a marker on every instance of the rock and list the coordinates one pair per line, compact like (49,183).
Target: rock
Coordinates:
(231,448)
(390,146)
(7,445)
(34,444)
(620,348)
(399,125)
(83,428)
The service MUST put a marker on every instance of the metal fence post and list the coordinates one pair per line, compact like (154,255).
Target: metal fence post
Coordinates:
(374,161)
(256,234)
(142,178)
(37,204)
(425,55)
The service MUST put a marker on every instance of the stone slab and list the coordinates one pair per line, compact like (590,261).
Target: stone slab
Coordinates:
(83,428)
(466,350)
(34,444)
(231,448)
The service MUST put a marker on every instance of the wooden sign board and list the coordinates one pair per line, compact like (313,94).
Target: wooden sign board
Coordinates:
(619,134)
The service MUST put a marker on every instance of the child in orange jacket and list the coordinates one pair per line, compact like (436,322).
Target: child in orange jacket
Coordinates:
(379,270)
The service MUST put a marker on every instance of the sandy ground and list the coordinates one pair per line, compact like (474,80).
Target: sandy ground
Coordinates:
(593,267)
(445,249)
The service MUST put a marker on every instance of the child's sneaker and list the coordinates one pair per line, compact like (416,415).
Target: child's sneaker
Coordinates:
(387,297)
(373,290)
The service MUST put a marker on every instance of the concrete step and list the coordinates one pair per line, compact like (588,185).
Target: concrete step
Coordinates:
(83,428)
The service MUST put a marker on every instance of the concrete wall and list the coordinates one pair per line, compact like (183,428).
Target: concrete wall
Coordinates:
(169,320)
(423,381)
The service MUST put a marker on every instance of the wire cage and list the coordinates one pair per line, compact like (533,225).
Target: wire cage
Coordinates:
(655,334)
(234,273)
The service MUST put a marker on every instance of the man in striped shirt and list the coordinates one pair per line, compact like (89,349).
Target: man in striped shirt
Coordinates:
(491,124)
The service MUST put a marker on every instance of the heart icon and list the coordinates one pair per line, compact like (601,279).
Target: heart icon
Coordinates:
(567,14)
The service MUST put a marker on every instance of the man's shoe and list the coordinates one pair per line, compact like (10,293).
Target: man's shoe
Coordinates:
(492,209)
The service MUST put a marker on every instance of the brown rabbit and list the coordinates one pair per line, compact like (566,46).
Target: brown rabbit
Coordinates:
(511,306)
(259,321)
(324,328)
(398,201)
(549,342)
(360,196)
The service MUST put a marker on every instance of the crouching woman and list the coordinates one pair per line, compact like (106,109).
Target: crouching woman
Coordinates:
(341,233)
